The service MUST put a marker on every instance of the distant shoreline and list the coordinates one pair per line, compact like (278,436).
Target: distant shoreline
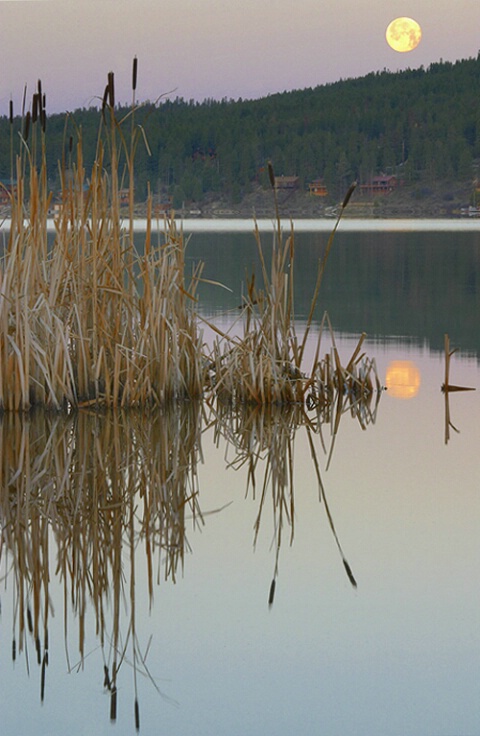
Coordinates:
(321,224)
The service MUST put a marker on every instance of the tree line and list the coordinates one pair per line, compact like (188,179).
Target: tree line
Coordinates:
(421,124)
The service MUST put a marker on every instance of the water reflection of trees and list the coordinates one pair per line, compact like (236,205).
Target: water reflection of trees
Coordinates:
(89,497)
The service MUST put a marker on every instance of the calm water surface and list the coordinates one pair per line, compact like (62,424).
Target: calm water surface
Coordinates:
(173,586)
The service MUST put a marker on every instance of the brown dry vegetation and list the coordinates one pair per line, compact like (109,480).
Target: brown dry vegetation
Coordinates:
(78,324)
(91,321)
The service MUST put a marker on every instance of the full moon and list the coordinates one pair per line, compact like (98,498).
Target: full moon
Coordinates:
(403,34)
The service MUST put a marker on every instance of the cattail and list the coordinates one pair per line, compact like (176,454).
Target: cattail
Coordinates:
(39,650)
(26,129)
(349,193)
(24,100)
(42,680)
(11,112)
(35,104)
(137,715)
(271,595)
(271,175)
(111,89)
(134,73)
(14,649)
(39,87)
(29,613)
(349,573)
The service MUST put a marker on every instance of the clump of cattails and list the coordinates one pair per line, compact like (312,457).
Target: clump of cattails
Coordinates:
(78,338)
(97,324)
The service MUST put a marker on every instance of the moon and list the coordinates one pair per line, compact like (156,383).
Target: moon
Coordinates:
(403,34)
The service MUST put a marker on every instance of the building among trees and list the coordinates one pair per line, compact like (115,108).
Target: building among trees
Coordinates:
(381,184)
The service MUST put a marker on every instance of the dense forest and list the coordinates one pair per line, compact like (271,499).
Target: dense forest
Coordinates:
(423,125)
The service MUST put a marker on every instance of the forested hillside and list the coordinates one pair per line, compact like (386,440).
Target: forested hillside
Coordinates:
(422,125)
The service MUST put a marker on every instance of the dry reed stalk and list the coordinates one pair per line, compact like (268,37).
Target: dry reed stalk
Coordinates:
(262,367)
(265,366)
(448,388)
(76,326)
(336,390)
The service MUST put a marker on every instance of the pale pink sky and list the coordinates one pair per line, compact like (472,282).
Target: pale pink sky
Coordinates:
(214,48)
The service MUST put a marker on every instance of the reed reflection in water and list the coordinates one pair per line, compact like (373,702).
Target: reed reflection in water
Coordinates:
(88,498)
(94,487)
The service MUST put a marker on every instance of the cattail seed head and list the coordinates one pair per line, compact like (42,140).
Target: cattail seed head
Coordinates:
(24,99)
(11,112)
(134,73)
(349,193)
(35,105)
(349,573)
(111,89)
(42,681)
(271,175)
(137,716)
(271,594)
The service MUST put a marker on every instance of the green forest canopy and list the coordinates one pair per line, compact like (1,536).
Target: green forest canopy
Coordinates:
(421,124)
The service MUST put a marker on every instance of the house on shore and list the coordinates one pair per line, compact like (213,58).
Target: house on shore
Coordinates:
(290,183)
(317,188)
(381,184)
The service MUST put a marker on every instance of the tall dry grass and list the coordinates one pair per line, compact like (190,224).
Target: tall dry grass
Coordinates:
(87,320)
(266,364)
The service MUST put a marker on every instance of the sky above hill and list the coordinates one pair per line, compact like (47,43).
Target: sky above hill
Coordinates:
(198,49)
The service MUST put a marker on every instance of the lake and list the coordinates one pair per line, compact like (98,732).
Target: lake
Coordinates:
(138,553)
